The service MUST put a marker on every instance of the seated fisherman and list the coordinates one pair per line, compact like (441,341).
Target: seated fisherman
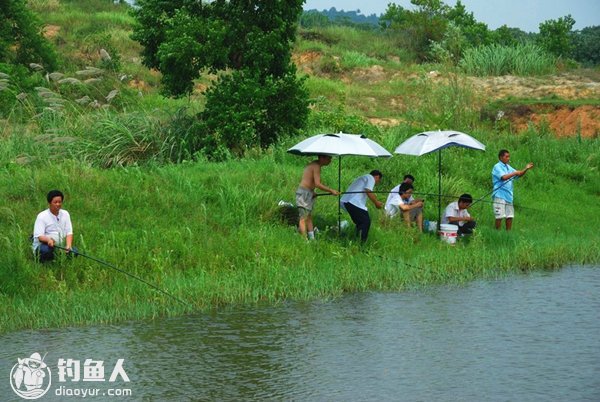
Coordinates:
(400,199)
(52,227)
(456,214)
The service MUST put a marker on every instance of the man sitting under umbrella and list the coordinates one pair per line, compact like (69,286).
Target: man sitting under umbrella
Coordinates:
(401,199)
(354,201)
(305,195)
(456,214)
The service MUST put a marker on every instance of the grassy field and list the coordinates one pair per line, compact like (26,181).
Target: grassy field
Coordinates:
(212,233)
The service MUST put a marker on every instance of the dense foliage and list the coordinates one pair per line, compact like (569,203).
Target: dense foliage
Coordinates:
(586,45)
(21,39)
(184,38)
(555,36)
(429,23)
(314,18)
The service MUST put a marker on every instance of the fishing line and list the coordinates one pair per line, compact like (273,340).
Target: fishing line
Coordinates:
(494,190)
(481,199)
(397,260)
(126,273)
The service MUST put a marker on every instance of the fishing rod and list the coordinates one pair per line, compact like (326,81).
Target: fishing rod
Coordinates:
(124,272)
(478,200)
(481,199)
(398,260)
(493,191)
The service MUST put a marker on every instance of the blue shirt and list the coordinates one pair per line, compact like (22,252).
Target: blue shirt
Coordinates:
(501,188)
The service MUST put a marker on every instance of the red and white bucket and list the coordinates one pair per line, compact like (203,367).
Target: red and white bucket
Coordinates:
(448,233)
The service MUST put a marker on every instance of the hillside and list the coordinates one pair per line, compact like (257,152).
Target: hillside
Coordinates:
(361,71)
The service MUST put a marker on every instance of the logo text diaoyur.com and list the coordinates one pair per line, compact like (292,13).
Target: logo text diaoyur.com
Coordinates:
(31,378)
(85,392)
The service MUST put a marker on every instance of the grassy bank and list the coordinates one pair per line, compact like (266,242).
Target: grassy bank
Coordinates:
(212,234)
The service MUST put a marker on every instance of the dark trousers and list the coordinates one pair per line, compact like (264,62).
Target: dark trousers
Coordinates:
(361,219)
(467,228)
(45,253)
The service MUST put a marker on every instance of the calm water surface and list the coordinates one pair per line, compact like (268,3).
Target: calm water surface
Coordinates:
(525,338)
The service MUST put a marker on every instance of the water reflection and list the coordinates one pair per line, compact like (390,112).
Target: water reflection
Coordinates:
(525,338)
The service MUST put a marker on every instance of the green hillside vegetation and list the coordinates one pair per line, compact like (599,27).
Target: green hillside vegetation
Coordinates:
(208,229)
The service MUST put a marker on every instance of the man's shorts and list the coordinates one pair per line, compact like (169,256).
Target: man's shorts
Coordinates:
(304,201)
(414,213)
(503,209)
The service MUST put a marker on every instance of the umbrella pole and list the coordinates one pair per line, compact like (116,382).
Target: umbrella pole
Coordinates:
(339,194)
(439,188)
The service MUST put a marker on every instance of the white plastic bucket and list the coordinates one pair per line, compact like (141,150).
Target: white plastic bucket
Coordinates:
(448,233)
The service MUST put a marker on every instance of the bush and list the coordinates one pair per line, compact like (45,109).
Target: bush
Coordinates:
(244,111)
(21,41)
(586,45)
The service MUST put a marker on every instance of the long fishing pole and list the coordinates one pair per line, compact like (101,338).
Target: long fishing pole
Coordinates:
(481,199)
(124,272)
(494,190)
(398,260)
(478,200)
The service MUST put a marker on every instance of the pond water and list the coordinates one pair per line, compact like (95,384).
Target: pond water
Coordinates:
(525,338)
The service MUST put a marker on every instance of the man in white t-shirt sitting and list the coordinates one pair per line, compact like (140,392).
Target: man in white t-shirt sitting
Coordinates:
(401,200)
(52,227)
(456,214)
(354,201)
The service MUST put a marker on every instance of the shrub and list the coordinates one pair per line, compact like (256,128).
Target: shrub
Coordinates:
(21,41)
(244,110)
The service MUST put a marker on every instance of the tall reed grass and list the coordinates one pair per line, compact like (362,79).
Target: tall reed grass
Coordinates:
(494,60)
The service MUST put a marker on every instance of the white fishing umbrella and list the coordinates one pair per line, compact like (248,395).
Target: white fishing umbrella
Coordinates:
(339,145)
(430,141)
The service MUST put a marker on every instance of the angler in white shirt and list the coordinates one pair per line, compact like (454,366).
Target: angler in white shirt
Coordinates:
(456,214)
(52,227)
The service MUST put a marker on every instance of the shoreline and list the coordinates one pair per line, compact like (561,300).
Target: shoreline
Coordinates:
(58,310)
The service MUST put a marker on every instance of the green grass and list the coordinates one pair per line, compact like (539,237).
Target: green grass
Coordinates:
(212,234)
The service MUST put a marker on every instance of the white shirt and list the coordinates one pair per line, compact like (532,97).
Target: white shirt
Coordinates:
(453,210)
(358,187)
(392,205)
(48,224)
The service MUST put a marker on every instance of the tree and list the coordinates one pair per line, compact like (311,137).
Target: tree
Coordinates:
(419,28)
(21,39)
(252,38)
(586,45)
(555,36)
(506,36)
(475,33)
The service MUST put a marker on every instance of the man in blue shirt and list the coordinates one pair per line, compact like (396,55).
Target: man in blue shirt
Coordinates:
(503,176)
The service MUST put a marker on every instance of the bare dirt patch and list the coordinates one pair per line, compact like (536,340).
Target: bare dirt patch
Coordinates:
(371,74)
(307,61)
(50,31)
(563,121)
(384,122)
(563,86)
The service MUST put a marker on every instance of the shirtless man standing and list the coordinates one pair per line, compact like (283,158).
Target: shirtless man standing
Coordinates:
(305,195)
